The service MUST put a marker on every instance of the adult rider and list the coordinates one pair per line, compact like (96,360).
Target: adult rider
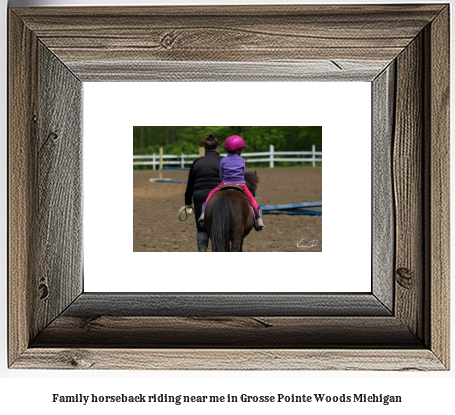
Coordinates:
(203,177)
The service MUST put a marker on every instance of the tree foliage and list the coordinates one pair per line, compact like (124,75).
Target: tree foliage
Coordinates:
(187,140)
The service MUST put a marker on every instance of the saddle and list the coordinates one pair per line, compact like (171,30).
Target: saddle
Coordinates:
(231,186)
(239,189)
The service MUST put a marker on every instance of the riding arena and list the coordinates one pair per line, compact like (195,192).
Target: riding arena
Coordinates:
(291,199)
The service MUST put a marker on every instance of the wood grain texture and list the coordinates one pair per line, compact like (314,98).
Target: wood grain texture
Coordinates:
(213,305)
(383,214)
(229,359)
(45,187)
(226,332)
(57,250)
(227,34)
(438,202)
(22,94)
(408,188)
(197,71)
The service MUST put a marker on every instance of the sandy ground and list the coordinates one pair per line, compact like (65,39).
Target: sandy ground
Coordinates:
(158,229)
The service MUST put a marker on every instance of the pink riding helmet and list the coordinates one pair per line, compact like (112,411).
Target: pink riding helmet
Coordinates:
(234,142)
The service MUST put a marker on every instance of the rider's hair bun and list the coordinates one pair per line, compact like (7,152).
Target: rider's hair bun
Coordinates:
(211,143)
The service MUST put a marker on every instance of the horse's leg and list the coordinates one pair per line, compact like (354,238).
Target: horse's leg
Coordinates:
(237,241)
(228,243)
(236,245)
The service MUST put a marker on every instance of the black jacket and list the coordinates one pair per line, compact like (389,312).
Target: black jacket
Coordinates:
(204,176)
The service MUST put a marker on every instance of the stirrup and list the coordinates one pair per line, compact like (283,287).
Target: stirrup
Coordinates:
(201,218)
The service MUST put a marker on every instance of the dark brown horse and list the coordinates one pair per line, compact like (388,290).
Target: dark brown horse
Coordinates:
(229,217)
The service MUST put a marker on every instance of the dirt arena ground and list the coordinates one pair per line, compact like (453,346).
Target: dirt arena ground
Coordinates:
(156,206)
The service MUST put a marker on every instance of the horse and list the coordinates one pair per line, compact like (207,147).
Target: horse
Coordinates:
(229,217)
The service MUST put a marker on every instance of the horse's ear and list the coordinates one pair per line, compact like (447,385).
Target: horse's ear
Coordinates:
(255,173)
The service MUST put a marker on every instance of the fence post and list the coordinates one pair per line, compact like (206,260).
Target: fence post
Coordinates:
(314,155)
(161,163)
(271,156)
(154,161)
(183,160)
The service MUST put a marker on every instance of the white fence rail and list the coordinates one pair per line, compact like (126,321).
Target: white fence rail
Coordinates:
(269,157)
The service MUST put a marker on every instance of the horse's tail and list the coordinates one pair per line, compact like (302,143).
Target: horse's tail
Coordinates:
(220,225)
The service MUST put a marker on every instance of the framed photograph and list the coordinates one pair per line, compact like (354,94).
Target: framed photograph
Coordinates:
(287,175)
(402,323)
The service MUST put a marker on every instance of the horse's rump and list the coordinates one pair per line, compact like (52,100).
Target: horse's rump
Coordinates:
(229,217)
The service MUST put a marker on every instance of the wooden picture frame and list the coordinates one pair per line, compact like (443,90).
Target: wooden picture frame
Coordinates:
(403,324)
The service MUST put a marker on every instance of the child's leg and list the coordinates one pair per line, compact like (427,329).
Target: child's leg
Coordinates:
(213,192)
(202,217)
(249,196)
(258,223)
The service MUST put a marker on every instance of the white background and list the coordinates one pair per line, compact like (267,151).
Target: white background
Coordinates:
(30,391)
(110,111)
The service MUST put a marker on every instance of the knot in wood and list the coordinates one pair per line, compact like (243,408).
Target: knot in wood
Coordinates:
(405,278)
(168,40)
(53,136)
(76,359)
(43,291)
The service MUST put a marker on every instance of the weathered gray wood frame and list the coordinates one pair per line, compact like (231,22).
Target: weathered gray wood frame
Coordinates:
(403,50)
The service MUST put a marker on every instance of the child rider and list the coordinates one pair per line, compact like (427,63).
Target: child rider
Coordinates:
(232,171)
